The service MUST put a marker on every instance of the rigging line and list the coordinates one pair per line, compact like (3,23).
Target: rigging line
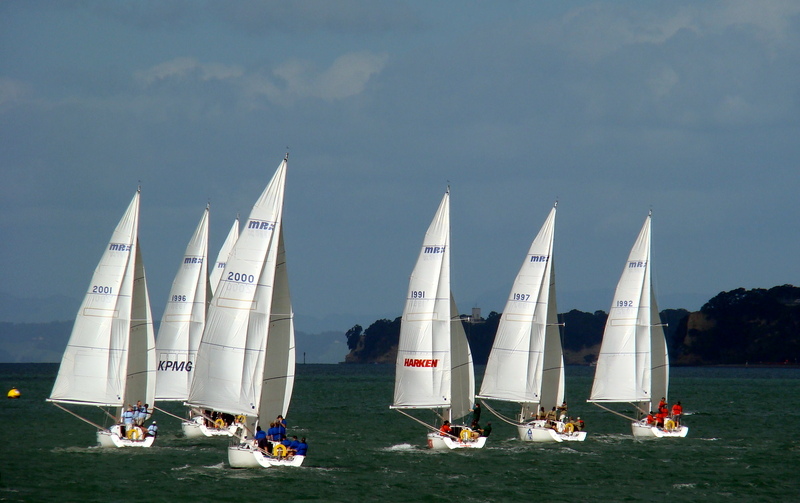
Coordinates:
(76,415)
(615,412)
(420,421)
(168,413)
(499,416)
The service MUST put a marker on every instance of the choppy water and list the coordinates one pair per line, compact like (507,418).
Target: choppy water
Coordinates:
(743,442)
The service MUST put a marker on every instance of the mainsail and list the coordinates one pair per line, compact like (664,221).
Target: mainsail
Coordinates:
(110,357)
(184,318)
(633,363)
(526,364)
(423,375)
(232,359)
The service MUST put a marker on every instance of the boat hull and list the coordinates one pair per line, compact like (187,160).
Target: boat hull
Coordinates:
(245,455)
(442,443)
(536,431)
(644,431)
(196,428)
(113,438)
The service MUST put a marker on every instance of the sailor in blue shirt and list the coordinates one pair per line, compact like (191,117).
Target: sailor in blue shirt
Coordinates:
(302,447)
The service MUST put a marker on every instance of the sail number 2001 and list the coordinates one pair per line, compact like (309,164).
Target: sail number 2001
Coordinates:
(241,277)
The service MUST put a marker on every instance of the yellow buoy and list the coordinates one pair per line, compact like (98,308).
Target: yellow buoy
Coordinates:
(14,393)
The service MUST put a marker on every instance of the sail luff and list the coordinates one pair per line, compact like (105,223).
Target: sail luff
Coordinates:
(422,372)
(184,318)
(91,371)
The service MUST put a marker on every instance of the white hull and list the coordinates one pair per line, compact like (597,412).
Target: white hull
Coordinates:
(247,456)
(112,438)
(196,428)
(536,431)
(439,442)
(643,431)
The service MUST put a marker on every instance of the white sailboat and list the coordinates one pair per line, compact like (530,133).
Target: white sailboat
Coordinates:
(246,359)
(526,364)
(110,357)
(633,365)
(434,367)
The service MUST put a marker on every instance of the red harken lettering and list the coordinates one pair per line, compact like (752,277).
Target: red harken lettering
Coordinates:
(416,362)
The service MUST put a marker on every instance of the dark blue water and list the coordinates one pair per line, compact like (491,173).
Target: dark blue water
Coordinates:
(743,443)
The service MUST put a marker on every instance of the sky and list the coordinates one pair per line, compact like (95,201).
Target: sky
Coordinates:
(611,108)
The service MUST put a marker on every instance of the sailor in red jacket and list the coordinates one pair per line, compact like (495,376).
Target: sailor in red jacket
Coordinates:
(677,412)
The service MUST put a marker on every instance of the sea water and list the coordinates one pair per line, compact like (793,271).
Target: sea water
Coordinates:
(743,442)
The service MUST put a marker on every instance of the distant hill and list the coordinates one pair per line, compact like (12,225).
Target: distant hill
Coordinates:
(733,328)
(45,342)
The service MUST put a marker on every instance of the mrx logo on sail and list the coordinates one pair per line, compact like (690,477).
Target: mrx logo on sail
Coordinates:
(637,263)
(434,249)
(418,362)
(123,247)
(261,225)
(540,258)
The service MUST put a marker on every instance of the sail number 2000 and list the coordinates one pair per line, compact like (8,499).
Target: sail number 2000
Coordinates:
(241,277)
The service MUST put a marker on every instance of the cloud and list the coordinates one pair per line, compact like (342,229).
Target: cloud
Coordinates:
(347,76)
(189,68)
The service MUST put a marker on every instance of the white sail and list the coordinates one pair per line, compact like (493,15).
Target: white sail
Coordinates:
(278,377)
(423,369)
(222,258)
(462,376)
(526,363)
(184,319)
(110,359)
(623,372)
(140,381)
(230,360)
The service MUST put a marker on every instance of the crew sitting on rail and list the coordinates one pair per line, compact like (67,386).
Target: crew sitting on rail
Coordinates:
(445,429)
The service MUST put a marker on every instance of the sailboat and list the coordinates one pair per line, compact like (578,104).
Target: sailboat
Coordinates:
(434,367)
(110,360)
(246,359)
(526,363)
(633,365)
